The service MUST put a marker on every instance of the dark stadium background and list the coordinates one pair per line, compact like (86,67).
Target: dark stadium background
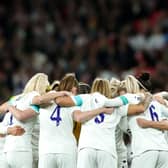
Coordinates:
(107,38)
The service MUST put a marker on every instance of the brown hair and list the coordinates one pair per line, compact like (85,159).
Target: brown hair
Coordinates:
(55,85)
(68,82)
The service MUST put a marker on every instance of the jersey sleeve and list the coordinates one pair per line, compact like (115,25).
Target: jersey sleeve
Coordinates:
(77,100)
(116,102)
(99,99)
(32,95)
(164,111)
(74,108)
(133,98)
(123,110)
(3,129)
(80,99)
(123,124)
(13,99)
(4,124)
(36,108)
(123,100)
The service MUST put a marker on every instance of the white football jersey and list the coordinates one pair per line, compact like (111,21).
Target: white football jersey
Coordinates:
(2,142)
(21,143)
(56,130)
(148,138)
(35,138)
(121,147)
(2,139)
(3,129)
(99,132)
(2,157)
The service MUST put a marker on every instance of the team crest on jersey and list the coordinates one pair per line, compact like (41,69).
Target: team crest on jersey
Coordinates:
(96,100)
(138,98)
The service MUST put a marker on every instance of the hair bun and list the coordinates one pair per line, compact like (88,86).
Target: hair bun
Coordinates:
(144,76)
(145,80)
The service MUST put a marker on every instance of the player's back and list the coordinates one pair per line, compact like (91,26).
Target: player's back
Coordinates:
(149,138)
(21,143)
(56,129)
(99,132)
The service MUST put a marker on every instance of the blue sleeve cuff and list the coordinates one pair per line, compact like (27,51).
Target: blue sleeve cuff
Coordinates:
(11,101)
(78,100)
(36,108)
(124,100)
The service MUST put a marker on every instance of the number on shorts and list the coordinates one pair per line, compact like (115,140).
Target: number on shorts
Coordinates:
(55,116)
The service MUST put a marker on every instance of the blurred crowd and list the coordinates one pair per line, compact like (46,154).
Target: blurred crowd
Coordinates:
(107,38)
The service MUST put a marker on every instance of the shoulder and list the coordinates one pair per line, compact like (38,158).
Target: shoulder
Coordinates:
(98,95)
(33,93)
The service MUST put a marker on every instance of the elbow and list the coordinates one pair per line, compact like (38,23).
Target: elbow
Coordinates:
(138,112)
(57,101)
(37,101)
(20,117)
(164,126)
(79,118)
(141,109)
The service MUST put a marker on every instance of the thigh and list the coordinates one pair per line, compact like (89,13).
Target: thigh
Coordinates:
(86,158)
(146,160)
(163,159)
(105,160)
(19,159)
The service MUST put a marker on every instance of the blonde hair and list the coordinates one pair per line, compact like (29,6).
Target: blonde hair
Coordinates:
(68,82)
(39,82)
(55,85)
(114,85)
(122,85)
(102,86)
(132,84)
